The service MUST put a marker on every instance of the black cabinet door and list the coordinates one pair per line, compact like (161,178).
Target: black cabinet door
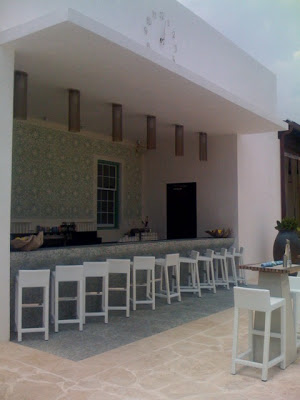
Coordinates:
(181,210)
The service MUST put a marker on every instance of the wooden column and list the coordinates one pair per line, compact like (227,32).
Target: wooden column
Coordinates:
(20,95)
(117,134)
(179,140)
(151,132)
(74,110)
(281,137)
(202,146)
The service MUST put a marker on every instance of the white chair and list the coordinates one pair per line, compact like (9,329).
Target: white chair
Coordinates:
(96,270)
(67,273)
(258,300)
(294,282)
(117,266)
(207,261)
(239,260)
(171,261)
(193,281)
(230,258)
(144,264)
(32,279)
(220,262)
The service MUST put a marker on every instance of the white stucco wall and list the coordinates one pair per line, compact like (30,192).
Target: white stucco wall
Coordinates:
(201,49)
(258,194)
(216,181)
(6,109)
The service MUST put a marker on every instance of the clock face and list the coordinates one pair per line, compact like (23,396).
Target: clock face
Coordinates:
(160,35)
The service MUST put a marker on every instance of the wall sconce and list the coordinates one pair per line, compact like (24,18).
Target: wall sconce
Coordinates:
(202,146)
(151,132)
(117,134)
(179,143)
(74,110)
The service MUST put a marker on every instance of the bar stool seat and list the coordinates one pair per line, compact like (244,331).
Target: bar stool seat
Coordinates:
(143,264)
(97,270)
(119,266)
(258,300)
(171,261)
(193,284)
(32,279)
(239,260)
(294,282)
(220,262)
(67,273)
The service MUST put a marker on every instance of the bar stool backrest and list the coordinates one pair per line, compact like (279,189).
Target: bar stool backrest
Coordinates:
(144,262)
(117,266)
(209,253)
(69,273)
(294,282)
(95,269)
(172,259)
(194,254)
(223,252)
(252,299)
(231,252)
(34,278)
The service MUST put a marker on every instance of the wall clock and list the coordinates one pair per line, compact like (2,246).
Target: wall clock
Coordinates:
(160,34)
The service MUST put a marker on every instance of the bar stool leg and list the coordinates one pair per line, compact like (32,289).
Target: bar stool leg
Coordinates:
(250,334)
(20,312)
(134,289)
(153,288)
(167,284)
(105,297)
(177,271)
(197,279)
(148,282)
(226,272)
(283,335)
(264,375)
(212,275)
(46,311)
(235,343)
(80,303)
(56,294)
(127,294)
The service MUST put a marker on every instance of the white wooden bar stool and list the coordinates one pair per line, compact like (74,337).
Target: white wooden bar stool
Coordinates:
(117,266)
(258,300)
(294,282)
(220,262)
(97,270)
(239,260)
(171,261)
(32,279)
(67,273)
(193,282)
(144,264)
(207,261)
(230,258)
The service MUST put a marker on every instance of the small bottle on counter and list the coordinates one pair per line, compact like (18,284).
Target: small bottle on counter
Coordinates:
(287,259)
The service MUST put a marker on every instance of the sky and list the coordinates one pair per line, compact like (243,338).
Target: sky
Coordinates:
(269,30)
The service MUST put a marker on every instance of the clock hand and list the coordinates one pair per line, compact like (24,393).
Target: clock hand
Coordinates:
(163,36)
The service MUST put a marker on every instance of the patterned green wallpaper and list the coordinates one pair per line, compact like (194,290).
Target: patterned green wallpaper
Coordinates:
(53,174)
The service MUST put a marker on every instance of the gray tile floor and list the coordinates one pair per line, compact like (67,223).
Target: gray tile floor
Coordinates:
(98,337)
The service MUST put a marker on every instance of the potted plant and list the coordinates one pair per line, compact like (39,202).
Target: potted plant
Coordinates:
(287,229)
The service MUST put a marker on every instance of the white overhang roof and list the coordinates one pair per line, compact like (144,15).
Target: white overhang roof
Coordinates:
(69,50)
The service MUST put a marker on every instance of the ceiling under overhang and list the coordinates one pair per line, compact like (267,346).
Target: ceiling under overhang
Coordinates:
(67,55)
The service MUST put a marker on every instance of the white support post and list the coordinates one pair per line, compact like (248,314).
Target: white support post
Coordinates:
(6,129)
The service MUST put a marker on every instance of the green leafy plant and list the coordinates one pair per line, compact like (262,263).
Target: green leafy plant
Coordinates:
(287,224)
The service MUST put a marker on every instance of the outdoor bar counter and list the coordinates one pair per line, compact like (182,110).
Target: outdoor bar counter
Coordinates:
(48,258)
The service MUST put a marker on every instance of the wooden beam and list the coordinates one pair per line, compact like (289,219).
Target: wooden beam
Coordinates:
(117,134)
(20,95)
(151,132)
(179,140)
(202,146)
(74,110)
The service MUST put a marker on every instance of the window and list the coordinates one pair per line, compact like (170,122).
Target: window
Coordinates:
(107,194)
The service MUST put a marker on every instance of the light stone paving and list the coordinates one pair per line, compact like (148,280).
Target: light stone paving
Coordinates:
(191,361)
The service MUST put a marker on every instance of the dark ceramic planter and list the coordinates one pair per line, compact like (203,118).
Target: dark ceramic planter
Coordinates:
(280,242)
